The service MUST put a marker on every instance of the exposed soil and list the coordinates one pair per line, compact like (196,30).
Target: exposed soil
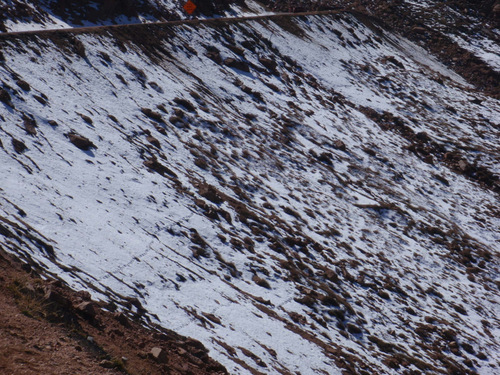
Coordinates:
(47,328)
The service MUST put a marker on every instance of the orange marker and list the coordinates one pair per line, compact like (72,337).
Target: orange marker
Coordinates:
(189,7)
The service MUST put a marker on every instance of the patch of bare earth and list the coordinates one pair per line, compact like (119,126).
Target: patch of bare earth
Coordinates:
(47,328)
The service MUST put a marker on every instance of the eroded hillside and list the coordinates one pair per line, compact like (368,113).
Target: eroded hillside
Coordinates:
(311,194)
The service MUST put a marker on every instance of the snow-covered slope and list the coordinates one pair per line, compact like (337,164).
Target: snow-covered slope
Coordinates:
(310,195)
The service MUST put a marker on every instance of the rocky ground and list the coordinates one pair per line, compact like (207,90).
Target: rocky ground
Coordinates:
(47,328)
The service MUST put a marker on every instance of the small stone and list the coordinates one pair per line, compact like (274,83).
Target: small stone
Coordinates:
(428,159)
(268,63)
(155,142)
(418,30)
(55,296)
(4,96)
(23,84)
(80,141)
(462,164)
(159,355)
(107,364)
(18,145)
(481,356)
(90,339)
(237,64)
(122,319)
(339,145)
(86,308)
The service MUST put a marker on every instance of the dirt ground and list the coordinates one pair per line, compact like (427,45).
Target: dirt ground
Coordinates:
(47,328)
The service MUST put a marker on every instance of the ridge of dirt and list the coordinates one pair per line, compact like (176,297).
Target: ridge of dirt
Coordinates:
(159,25)
(79,12)
(48,328)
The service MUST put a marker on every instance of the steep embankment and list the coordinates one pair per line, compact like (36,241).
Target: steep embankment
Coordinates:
(463,34)
(308,194)
(18,15)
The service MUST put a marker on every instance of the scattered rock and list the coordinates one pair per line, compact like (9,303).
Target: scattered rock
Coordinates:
(419,30)
(19,146)
(87,119)
(369,151)
(211,193)
(269,64)
(482,356)
(237,64)
(154,141)
(23,85)
(107,364)
(29,125)
(261,282)
(124,321)
(80,141)
(212,318)
(153,164)
(354,329)
(201,163)
(87,309)
(53,295)
(5,97)
(462,165)
(156,116)
(214,56)
(325,157)
(158,354)
(185,103)
(40,99)
(339,145)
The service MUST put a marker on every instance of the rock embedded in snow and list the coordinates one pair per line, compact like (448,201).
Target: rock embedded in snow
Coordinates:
(237,64)
(19,146)
(83,143)
(5,96)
